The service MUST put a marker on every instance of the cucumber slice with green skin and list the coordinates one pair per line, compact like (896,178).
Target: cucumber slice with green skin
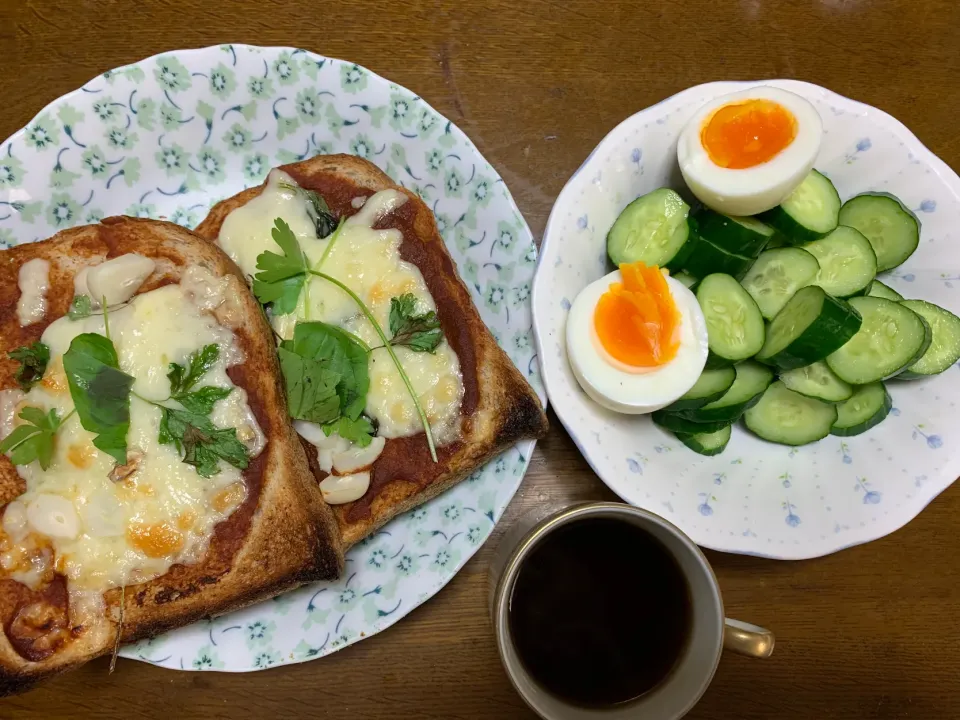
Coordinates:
(752,379)
(789,418)
(808,213)
(878,289)
(678,424)
(705,258)
(744,236)
(891,338)
(734,324)
(685,279)
(893,231)
(819,382)
(810,327)
(867,408)
(710,386)
(707,443)
(944,348)
(848,264)
(652,229)
(777,275)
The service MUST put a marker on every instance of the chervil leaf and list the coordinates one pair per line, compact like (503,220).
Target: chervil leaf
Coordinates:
(80,307)
(281,277)
(33,441)
(202,400)
(33,361)
(342,353)
(100,392)
(359,431)
(420,333)
(203,445)
(182,379)
(311,386)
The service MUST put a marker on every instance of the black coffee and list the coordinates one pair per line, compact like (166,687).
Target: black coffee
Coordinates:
(600,612)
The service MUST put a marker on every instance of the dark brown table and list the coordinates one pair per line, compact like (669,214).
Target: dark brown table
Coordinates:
(871,632)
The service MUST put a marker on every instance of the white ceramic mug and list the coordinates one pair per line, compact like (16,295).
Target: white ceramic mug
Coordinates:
(709,634)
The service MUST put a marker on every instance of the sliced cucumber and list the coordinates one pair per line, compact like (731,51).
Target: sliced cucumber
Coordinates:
(676,423)
(652,229)
(752,379)
(701,257)
(847,262)
(808,213)
(869,405)
(734,324)
(707,443)
(944,348)
(789,418)
(777,275)
(710,386)
(744,236)
(817,381)
(685,279)
(878,289)
(891,337)
(810,327)
(893,231)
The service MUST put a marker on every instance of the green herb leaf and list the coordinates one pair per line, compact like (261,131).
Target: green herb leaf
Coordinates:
(203,400)
(80,307)
(359,431)
(281,277)
(33,441)
(311,386)
(33,361)
(203,445)
(317,208)
(344,354)
(420,333)
(182,379)
(100,392)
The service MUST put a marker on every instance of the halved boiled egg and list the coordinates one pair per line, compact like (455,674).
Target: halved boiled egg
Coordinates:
(745,152)
(636,339)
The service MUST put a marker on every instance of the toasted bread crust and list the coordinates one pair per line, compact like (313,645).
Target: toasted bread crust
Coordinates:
(283,535)
(499,406)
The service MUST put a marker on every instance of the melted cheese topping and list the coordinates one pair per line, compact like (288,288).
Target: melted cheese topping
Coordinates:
(102,533)
(34,281)
(368,262)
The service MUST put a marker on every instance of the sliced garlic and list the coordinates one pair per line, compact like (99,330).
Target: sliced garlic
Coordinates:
(313,434)
(340,489)
(325,459)
(53,516)
(357,458)
(118,279)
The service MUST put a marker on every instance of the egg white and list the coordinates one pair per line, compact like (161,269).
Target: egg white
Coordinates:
(627,392)
(749,191)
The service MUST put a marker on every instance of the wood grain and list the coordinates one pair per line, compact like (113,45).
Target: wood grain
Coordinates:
(871,632)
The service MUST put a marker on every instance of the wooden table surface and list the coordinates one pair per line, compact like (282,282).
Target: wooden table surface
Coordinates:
(871,632)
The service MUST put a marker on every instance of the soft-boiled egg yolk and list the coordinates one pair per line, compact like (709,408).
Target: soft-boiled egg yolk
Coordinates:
(636,339)
(636,320)
(744,153)
(749,133)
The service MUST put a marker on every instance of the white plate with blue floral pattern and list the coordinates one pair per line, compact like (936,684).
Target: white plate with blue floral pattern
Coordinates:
(756,497)
(173,134)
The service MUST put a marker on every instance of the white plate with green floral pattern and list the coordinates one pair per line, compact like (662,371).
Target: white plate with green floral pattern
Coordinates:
(171,135)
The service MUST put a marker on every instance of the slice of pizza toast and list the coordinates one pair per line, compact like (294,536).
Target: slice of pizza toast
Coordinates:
(498,406)
(250,522)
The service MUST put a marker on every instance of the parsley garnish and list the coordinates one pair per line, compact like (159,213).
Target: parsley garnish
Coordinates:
(33,361)
(281,277)
(317,208)
(100,392)
(80,307)
(33,441)
(420,333)
(281,280)
(184,379)
(203,445)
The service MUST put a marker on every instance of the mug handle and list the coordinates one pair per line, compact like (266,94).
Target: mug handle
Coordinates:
(746,639)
